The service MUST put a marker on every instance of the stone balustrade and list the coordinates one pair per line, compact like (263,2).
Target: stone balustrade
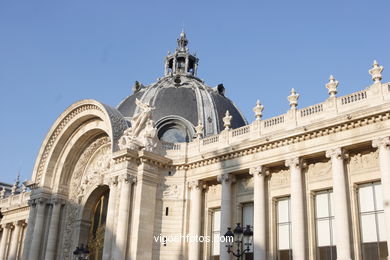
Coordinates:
(294,119)
(14,201)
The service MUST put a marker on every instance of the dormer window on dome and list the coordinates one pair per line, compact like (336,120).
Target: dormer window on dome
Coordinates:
(181,61)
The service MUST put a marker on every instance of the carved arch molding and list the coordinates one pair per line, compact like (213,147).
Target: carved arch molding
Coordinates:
(89,171)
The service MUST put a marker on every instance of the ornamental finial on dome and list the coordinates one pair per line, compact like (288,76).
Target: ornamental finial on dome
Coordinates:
(182,42)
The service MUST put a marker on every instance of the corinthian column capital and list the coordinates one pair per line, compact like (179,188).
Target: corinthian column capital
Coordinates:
(382,142)
(338,153)
(259,170)
(31,203)
(41,200)
(225,178)
(295,163)
(127,178)
(195,184)
(113,181)
(56,200)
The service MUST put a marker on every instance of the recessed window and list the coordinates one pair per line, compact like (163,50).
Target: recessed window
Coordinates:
(372,222)
(283,223)
(175,130)
(215,233)
(324,220)
(174,134)
(247,219)
(166,211)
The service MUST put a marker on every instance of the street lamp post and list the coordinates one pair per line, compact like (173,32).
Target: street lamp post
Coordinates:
(81,252)
(242,238)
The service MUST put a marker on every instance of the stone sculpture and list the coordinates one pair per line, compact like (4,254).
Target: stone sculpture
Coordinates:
(142,134)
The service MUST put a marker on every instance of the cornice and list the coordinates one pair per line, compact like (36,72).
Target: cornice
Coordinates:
(281,142)
(15,210)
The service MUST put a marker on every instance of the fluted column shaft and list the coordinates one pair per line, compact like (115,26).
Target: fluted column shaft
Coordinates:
(226,211)
(297,208)
(109,230)
(38,230)
(122,230)
(4,240)
(340,193)
(13,250)
(259,213)
(383,144)
(53,229)
(195,219)
(30,230)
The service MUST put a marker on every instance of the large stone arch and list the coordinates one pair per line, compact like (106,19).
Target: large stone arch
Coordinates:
(70,121)
(87,180)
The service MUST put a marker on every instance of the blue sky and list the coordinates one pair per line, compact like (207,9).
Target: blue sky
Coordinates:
(54,53)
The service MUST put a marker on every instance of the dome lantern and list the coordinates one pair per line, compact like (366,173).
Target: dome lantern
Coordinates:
(181,61)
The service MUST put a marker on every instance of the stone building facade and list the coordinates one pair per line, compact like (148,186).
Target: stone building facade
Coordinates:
(177,157)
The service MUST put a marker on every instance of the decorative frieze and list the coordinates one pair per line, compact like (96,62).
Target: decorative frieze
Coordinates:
(319,171)
(280,178)
(363,161)
(171,191)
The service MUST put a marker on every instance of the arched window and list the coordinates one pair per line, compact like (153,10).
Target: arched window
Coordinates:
(98,224)
(175,129)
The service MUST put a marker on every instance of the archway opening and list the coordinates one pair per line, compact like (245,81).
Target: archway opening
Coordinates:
(95,214)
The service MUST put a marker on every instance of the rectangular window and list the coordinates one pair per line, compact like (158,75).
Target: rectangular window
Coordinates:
(324,220)
(247,219)
(283,223)
(372,223)
(215,233)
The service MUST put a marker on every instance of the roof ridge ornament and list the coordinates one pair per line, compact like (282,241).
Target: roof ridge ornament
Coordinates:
(182,42)
(332,86)
(227,120)
(293,99)
(258,109)
(376,72)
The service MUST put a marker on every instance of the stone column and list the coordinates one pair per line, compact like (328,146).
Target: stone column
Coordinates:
(297,208)
(13,250)
(226,210)
(110,220)
(186,65)
(53,229)
(126,180)
(30,229)
(144,210)
(195,219)
(340,193)
(4,240)
(259,212)
(37,239)
(383,145)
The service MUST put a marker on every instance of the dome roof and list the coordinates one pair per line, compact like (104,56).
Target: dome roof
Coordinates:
(181,100)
